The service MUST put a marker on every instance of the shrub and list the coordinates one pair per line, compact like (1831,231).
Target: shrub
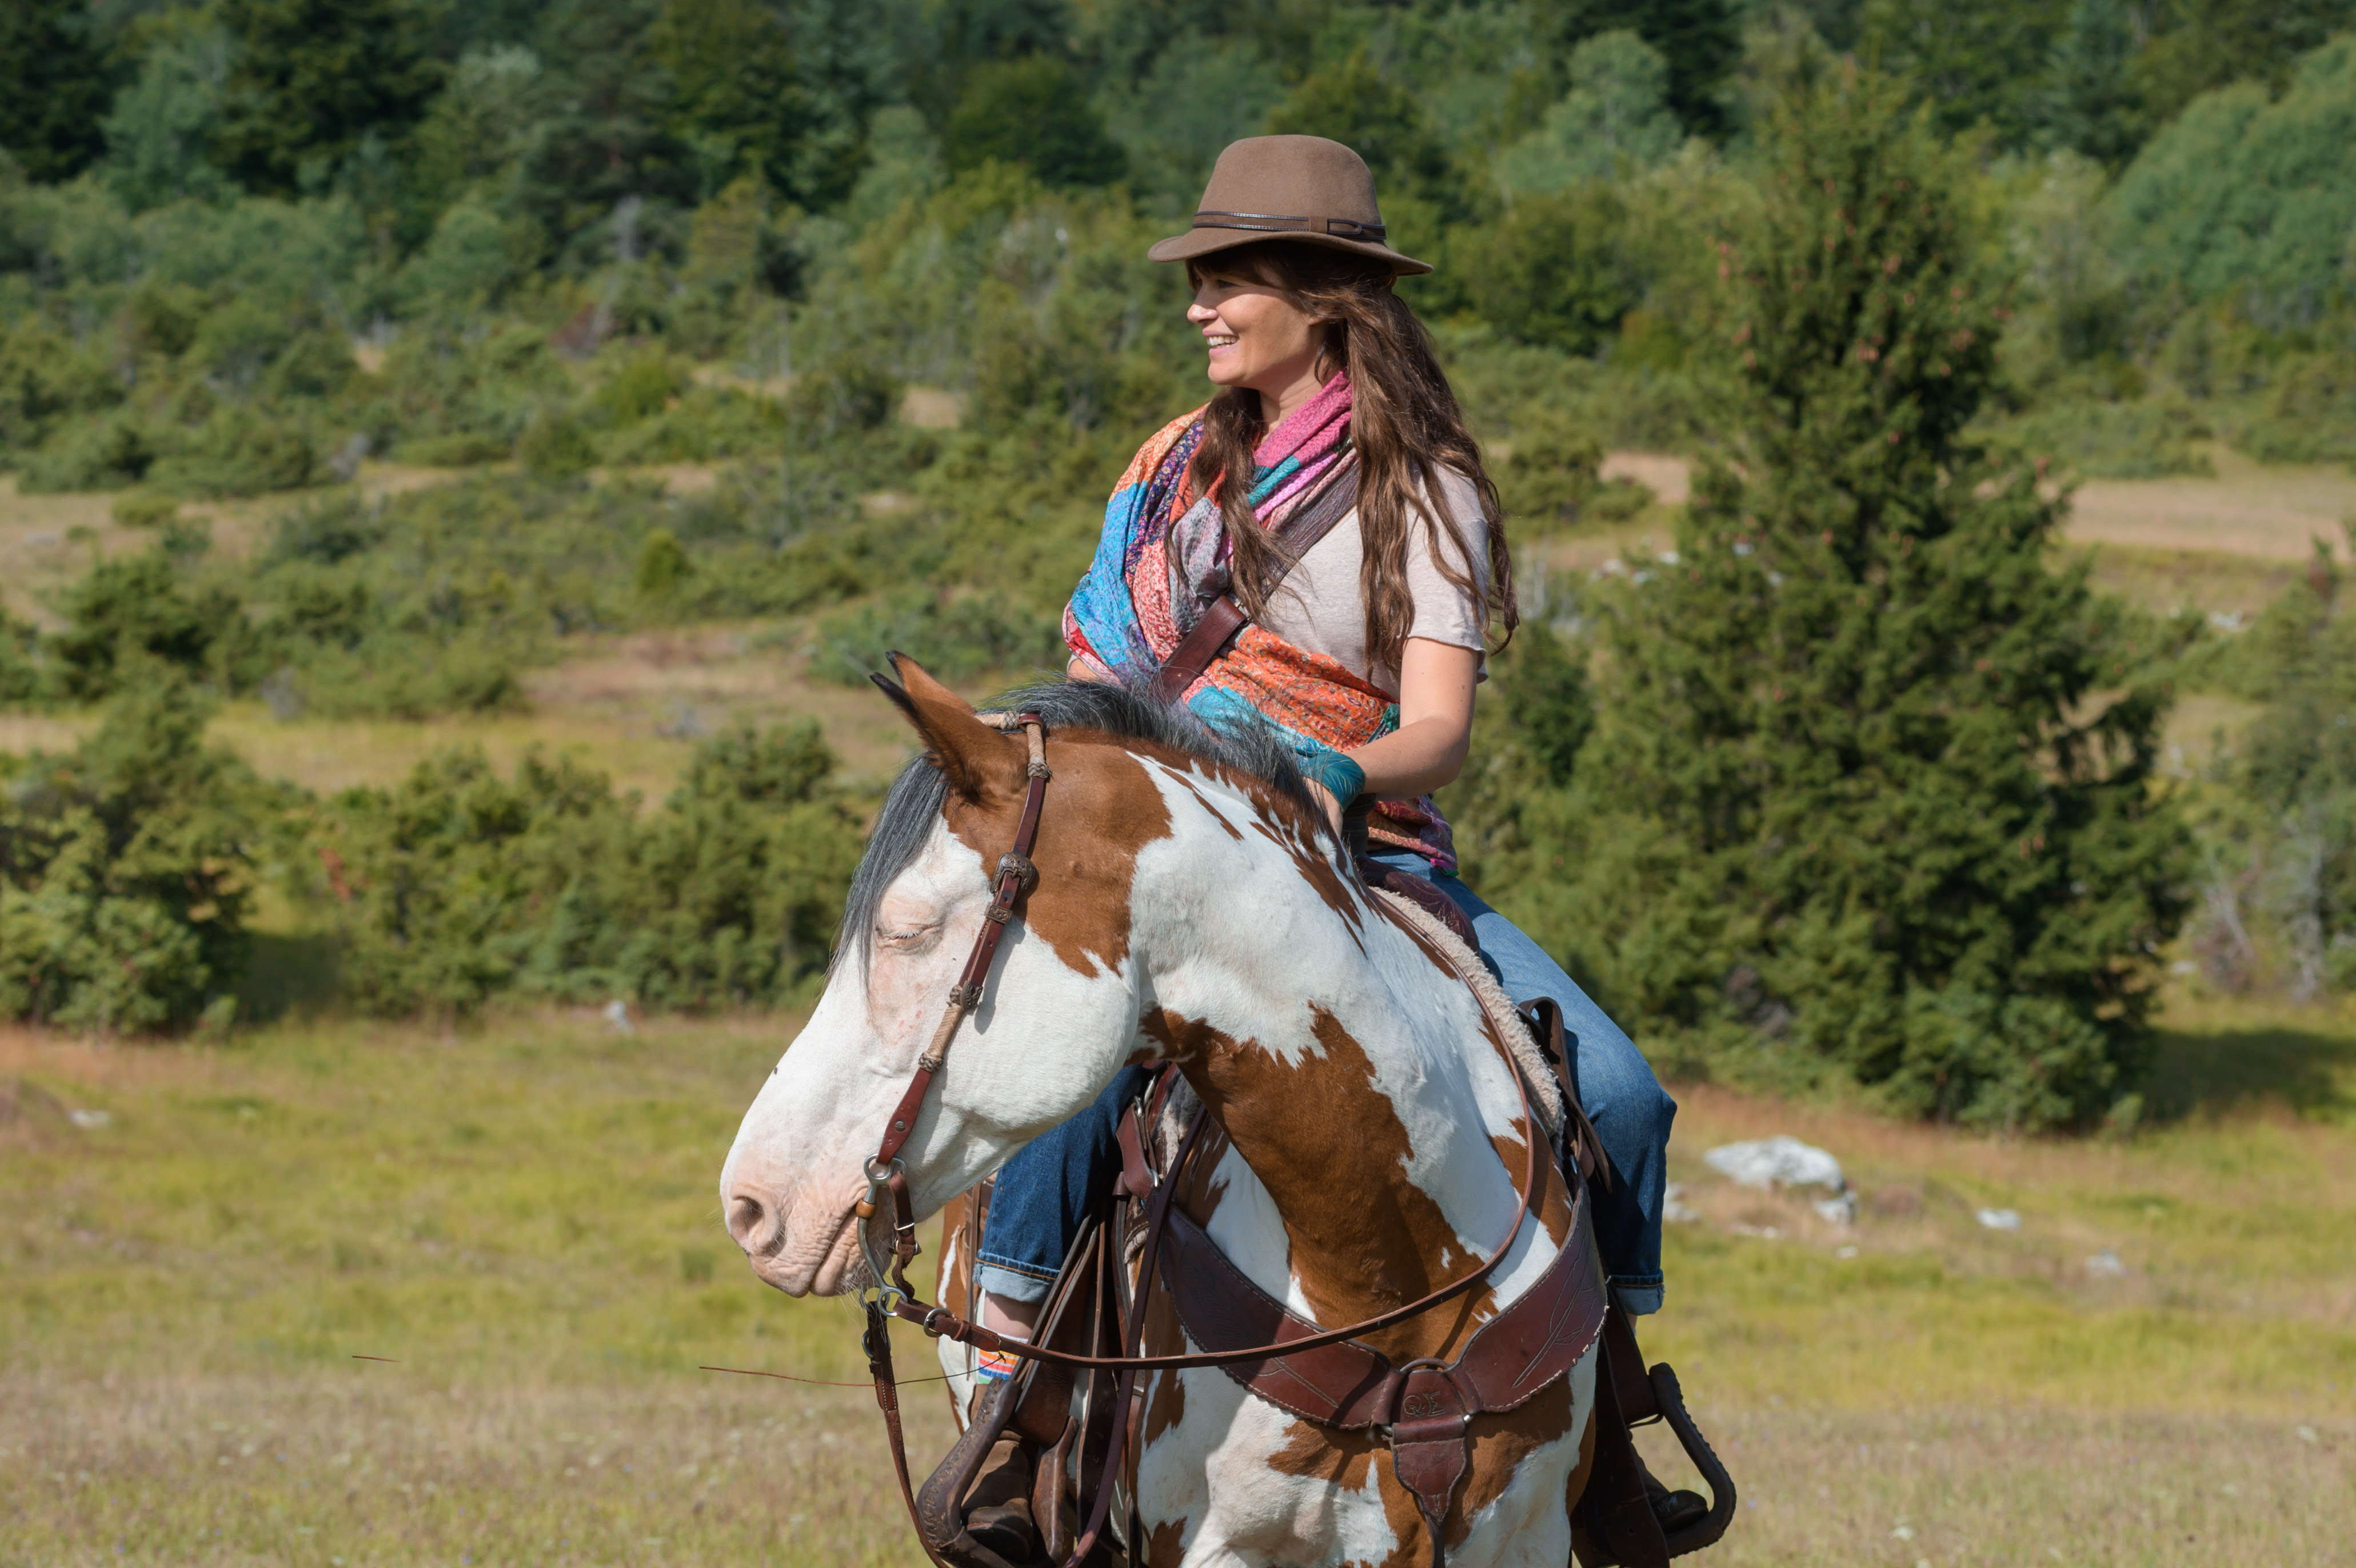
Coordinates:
(128,612)
(244,450)
(125,869)
(1555,269)
(955,638)
(458,886)
(555,446)
(21,673)
(109,453)
(143,509)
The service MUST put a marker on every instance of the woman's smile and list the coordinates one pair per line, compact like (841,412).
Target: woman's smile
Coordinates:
(1253,335)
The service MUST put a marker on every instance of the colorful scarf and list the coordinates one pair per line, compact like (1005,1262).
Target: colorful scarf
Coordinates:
(1163,557)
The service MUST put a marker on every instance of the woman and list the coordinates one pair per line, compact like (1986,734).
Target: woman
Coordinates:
(1364,648)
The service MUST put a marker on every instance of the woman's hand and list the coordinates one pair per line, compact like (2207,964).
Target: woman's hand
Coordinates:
(1325,798)
(1435,733)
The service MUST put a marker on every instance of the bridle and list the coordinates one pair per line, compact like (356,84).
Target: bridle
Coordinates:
(888,1294)
(884,1173)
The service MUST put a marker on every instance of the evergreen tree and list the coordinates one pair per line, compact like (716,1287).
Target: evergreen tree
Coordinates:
(1853,788)
(57,87)
(1033,112)
(2091,103)
(311,79)
(2197,45)
(1702,40)
(737,103)
(1354,102)
(160,132)
(606,132)
(1980,62)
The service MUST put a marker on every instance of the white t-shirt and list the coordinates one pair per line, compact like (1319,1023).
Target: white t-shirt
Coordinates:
(1321,607)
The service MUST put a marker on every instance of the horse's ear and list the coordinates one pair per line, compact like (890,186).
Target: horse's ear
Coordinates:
(979,763)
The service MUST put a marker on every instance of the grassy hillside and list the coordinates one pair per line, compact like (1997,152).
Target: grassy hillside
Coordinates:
(519,1219)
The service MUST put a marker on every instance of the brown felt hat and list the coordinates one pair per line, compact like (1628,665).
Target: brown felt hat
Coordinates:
(1301,188)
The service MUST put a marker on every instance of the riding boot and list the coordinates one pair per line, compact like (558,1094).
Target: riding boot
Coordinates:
(1673,1509)
(998,1509)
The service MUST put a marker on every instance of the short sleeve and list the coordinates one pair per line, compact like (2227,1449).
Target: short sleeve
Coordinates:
(1445,613)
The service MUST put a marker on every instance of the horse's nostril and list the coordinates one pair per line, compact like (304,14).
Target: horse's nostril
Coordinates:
(749,1221)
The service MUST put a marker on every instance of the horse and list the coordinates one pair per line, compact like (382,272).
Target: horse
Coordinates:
(1192,906)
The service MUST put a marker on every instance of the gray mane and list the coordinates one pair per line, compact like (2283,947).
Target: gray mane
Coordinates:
(917,795)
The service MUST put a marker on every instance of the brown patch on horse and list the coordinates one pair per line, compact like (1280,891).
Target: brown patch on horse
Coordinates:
(1100,813)
(1332,1151)
(1165,1544)
(1500,1446)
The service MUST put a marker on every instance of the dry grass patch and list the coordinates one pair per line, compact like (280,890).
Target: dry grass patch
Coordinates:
(633,706)
(1972,1485)
(2249,509)
(1668,476)
(374,1463)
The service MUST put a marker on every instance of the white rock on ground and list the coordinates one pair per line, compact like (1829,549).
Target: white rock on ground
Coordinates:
(1779,1161)
(2000,1218)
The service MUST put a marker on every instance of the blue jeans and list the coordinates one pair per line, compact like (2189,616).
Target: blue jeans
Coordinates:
(1045,1190)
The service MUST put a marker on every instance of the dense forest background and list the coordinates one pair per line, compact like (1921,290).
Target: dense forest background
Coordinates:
(1860,780)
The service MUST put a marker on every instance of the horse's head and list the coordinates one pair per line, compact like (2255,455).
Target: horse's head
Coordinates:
(1059,1013)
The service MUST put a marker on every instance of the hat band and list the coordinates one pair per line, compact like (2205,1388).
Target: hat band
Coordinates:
(1263,222)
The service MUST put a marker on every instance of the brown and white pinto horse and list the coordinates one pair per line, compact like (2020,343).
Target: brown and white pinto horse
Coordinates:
(1189,910)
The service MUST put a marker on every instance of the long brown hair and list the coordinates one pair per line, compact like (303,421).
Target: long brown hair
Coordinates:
(1404,422)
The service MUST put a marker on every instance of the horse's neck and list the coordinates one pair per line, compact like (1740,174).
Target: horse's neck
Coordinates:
(1380,1128)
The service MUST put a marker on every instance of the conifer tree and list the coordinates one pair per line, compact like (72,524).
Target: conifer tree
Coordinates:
(1871,782)
(313,79)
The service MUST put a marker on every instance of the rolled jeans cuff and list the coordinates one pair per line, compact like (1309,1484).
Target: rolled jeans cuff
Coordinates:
(1637,1297)
(1012,1282)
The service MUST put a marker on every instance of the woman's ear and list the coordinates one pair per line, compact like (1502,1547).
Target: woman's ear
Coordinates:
(981,764)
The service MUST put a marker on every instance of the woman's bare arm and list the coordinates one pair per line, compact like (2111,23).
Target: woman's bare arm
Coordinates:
(1435,733)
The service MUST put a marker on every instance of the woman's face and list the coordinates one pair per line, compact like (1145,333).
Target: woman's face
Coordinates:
(1256,337)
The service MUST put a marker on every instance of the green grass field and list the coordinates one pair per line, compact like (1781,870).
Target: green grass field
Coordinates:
(519,1219)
